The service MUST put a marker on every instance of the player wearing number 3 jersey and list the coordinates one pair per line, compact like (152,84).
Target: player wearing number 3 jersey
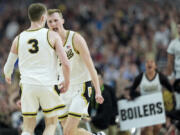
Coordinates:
(37,49)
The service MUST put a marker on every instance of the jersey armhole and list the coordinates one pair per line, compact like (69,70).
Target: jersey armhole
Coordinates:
(48,40)
(17,47)
(73,44)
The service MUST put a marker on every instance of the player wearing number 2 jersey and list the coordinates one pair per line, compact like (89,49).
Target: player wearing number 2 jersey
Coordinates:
(37,49)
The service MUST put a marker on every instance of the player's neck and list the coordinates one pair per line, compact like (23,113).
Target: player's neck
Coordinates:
(63,34)
(35,25)
(150,74)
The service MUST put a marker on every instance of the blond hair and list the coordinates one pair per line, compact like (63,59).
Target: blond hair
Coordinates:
(52,11)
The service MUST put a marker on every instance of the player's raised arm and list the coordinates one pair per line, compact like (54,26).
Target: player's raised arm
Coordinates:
(82,48)
(9,65)
(57,44)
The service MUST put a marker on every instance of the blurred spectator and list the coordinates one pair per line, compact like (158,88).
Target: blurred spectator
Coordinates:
(119,34)
(103,115)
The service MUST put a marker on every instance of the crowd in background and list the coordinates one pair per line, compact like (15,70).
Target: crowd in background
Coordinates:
(119,34)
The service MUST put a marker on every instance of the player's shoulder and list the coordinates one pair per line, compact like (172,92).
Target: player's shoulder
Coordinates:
(52,34)
(175,41)
(77,36)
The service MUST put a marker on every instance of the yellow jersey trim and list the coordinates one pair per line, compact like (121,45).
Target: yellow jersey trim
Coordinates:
(74,45)
(49,41)
(67,35)
(17,47)
(33,30)
(21,90)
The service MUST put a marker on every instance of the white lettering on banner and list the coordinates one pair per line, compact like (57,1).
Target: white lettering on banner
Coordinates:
(144,111)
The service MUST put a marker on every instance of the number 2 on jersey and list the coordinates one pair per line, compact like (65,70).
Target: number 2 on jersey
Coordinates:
(34,44)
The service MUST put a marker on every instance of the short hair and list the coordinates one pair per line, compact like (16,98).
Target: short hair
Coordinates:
(99,71)
(150,56)
(35,11)
(52,11)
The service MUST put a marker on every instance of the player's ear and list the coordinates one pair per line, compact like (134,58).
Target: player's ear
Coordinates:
(43,18)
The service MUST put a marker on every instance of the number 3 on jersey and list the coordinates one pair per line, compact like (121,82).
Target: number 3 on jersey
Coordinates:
(34,44)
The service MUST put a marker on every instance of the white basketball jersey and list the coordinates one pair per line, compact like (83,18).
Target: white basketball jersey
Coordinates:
(79,72)
(174,49)
(37,59)
(150,86)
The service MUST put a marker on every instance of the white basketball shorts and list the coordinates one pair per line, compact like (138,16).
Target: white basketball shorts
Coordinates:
(47,97)
(76,100)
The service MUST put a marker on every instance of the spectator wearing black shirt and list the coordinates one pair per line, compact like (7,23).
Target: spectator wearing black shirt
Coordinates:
(103,115)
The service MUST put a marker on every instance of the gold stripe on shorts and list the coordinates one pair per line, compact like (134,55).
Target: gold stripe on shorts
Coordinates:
(76,115)
(59,107)
(29,114)
(62,117)
(56,90)
(84,90)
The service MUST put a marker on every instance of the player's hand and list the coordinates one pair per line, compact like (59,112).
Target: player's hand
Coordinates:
(99,98)
(64,86)
(18,103)
(8,80)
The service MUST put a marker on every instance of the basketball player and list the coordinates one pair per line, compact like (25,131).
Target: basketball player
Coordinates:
(37,49)
(82,71)
(150,81)
(174,66)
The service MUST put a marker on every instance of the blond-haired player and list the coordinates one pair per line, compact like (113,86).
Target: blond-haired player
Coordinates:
(37,49)
(82,72)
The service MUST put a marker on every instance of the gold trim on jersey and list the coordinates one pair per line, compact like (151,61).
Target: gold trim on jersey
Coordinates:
(21,90)
(49,41)
(59,107)
(62,117)
(73,44)
(29,114)
(17,47)
(76,115)
(67,35)
(33,30)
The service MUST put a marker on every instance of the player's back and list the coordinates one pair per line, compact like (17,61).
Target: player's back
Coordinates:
(37,59)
